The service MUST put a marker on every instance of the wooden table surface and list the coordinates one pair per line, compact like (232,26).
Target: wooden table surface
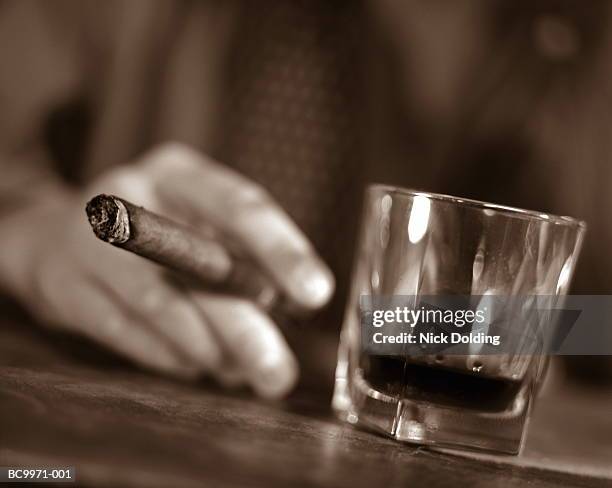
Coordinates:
(121,427)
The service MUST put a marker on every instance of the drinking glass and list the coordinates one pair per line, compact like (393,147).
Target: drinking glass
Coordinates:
(414,245)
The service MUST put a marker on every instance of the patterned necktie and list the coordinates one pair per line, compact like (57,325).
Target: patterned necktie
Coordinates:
(291,119)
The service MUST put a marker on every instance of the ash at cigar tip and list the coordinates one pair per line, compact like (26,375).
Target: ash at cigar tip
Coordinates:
(108,218)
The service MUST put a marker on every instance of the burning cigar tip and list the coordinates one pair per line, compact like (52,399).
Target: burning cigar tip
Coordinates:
(109,219)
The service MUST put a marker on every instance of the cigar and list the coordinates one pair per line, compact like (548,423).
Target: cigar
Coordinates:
(198,260)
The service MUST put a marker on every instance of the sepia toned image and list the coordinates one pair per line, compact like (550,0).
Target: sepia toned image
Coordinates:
(306,243)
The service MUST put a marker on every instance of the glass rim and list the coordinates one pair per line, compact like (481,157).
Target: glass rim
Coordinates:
(479,204)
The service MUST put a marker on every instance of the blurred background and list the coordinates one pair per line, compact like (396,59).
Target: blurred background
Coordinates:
(500,101)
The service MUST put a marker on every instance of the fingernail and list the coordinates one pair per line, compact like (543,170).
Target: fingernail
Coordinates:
(314,284)
(274,378)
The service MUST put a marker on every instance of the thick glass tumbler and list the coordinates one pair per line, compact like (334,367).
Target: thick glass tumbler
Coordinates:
(415,244)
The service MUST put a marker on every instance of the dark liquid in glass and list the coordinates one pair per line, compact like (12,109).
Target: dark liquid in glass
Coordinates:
(395,376)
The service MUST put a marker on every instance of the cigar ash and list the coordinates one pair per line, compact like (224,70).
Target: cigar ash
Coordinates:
(109,219)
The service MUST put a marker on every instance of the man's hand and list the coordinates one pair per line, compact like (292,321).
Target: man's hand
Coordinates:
(72,280)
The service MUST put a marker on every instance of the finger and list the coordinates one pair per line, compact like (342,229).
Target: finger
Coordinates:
(243,211)
(254,341)
(97,316)
(230,375)
(168,312)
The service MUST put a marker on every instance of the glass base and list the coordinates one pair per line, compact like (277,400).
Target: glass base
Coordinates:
(429,423)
